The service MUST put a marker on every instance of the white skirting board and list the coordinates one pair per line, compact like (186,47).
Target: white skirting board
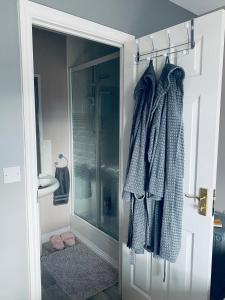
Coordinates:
(46,236)
(96,240)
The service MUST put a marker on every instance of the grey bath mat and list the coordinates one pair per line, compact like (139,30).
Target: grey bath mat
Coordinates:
(79,272)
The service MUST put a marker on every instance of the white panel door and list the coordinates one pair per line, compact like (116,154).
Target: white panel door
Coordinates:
(189,277)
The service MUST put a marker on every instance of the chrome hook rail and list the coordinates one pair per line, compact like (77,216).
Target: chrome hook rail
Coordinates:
(156,53)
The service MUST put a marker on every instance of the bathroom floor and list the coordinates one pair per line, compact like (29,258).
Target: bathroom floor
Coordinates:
(51,291)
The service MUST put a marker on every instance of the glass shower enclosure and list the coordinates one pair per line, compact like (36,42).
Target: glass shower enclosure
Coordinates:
(95,127)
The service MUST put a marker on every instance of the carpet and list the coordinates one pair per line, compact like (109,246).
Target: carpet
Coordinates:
(79,272)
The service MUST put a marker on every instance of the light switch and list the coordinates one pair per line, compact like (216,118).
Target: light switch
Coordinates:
(11,174)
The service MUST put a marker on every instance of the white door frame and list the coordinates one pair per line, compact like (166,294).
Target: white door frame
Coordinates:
(38,15)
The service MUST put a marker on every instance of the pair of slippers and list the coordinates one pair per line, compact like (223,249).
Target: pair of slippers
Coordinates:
(66,239)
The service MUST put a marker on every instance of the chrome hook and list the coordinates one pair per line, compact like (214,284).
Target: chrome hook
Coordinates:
(169,40)
(137,58)
(153,49)
(188,35)
(187,31)
(169,48)
(153,46)
(156,61)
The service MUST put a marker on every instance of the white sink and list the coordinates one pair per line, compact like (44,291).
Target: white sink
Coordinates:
(47,185)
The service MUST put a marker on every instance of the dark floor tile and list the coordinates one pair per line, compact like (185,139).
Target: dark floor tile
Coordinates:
(100,296)
(44,252)
(54,293)
(47,249)
(113,293)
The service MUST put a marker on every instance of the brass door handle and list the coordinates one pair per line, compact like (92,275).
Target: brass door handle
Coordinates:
(195,197)
(202,199)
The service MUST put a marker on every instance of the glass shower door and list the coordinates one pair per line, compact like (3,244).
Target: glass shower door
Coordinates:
(95,102)
(108,103)
(84,145)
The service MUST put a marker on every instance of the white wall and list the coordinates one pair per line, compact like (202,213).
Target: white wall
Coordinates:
(50,62)
(14,270)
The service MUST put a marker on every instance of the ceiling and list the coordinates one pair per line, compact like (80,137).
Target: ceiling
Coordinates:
(200,7)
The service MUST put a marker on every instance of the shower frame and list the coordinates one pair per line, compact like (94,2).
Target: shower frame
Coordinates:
(77,68)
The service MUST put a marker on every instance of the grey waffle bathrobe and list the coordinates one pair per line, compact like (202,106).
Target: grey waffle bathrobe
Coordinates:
(136,182)
(156,210)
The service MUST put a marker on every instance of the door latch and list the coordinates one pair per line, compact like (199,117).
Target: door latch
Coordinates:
(202,200)
(214,199)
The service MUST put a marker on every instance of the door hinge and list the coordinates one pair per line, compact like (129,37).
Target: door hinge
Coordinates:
(213,204)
